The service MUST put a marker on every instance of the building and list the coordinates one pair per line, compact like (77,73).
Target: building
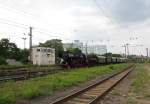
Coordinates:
(78,44)
(96,49)
(75,44)
(100,49)
(66,46)
(43,56)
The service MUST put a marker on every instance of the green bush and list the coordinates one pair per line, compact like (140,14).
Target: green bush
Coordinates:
(2,61)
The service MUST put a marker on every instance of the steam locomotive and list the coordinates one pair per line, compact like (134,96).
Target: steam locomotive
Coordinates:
(73,60)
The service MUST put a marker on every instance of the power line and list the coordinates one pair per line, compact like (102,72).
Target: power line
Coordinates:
(23,13)
(47,32)
(41,30)
(13,24)
(102,10)
(20,25)
(26,27)
(17,11)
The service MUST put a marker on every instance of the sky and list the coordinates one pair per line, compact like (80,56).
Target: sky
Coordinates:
(113,23)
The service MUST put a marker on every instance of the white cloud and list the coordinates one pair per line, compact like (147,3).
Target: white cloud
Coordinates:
(75,19)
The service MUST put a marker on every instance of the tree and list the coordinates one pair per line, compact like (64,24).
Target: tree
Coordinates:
(24,56)
(13,51)
(74,50)
(2,61)
(56,44)
(9,50)
(4,43)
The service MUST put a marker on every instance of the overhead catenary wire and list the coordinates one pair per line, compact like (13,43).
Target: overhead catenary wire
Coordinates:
(101,10)
(17,11)
(10,24)
(107,16)
(24,13)
(104,12)
(20,25)
(13,22)
(98,5)
(24,26)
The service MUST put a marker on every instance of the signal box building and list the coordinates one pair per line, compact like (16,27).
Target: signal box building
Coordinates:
(43,56)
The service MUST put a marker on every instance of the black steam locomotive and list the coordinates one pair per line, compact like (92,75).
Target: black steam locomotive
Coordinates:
(73,60)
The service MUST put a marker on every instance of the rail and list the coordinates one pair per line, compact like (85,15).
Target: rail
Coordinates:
(92,93)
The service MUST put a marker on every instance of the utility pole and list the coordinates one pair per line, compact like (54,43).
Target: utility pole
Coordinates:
(127,46)
(147,52)
(92,47)
(30,44)
(24,39)
(106,55)
(86,49)
(125,50)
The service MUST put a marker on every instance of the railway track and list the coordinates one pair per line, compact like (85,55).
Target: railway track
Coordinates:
(24,74)
(95,92)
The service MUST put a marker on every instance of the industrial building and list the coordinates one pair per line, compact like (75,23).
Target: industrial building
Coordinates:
(75,44)
(43,56)
(97,49)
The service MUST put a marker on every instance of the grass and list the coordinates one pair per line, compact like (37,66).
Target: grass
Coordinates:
(11,91)
(139,89)
(140,80)
(131,101)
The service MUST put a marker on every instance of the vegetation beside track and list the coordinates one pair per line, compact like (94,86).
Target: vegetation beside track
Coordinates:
(29,89)
(140,81)
(139,92)
(16,67)
(134,89)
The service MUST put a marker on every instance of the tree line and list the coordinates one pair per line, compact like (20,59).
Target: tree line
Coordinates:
(9,50)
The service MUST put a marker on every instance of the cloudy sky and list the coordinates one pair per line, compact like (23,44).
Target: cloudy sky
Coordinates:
(113,23)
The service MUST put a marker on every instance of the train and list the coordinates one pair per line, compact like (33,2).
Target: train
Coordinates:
(74,60)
